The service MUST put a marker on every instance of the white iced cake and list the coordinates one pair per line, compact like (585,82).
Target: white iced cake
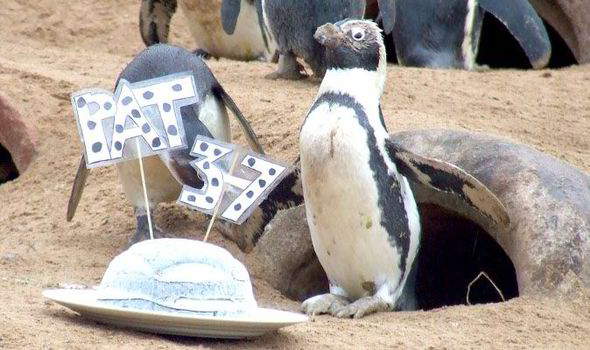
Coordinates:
(178,275)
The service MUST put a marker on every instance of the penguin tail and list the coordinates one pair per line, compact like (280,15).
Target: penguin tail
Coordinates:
(251,137)
(77,189)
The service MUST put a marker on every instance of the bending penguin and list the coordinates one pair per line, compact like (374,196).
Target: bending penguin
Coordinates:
(446,34)
(165,173)
(245,39)
(362,215)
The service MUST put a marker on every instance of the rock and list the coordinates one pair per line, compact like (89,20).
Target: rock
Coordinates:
(16,136)
(10,258)
(284,256)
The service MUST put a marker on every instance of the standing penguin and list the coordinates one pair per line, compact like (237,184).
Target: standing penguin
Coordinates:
(292,24)
(245,38)
(165,173)
(362,215)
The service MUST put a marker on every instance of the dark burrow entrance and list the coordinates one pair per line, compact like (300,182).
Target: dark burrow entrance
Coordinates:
(453,253)
(499,49)
(8,170)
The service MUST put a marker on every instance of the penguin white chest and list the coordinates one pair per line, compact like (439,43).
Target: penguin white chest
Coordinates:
(341,198)
(246,43)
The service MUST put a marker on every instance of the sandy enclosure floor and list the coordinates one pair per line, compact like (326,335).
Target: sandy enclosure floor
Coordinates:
(50,49)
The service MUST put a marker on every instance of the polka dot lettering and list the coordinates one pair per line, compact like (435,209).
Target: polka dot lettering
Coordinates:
(216,152)
(166,107)
(81,102)
(177,87)
(206,165)
(191,198)
(127,100)
(91,125)
(135,113)
(237,207)
(146,128)
(209,199)
(148,95)
(118,145)
(262,183)
(272,171)
(107,105)
(204,146)
(214,182)
(251,161)
(172,130)
(156,142)
(119,128)
(250,194)
(96,147)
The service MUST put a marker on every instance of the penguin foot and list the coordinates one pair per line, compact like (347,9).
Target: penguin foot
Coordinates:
(481,67)
(362,307)
(324,303)
(287,75)
(289,69)
(143,233)
(203,54)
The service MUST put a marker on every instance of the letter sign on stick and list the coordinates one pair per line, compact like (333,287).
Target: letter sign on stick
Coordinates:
(254,178)
(148,110)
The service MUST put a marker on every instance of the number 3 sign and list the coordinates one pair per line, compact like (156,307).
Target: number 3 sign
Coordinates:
(254,177)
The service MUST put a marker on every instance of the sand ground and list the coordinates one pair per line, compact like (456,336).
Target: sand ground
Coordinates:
(49,49)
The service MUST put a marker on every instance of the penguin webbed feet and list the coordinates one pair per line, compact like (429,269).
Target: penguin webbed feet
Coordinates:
(142,232)
(289,69)
(341,307)
(362,307)
(203,54)
(324,304)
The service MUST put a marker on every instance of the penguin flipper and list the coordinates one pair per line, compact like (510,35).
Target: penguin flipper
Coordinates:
(77,188)
(448,179)
(251,137)
(154,20)
(263,29)
(523,22)
(387,13)
(230,11)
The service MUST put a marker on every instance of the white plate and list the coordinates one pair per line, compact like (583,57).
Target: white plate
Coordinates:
(83,301)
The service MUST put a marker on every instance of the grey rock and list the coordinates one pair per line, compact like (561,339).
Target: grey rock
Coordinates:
(284,256)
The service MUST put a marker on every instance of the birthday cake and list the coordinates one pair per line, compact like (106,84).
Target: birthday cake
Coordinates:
(180,276)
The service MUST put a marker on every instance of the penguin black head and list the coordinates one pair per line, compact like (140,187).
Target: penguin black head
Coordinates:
(352,44)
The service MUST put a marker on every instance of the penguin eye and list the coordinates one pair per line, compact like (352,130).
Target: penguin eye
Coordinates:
(358,34)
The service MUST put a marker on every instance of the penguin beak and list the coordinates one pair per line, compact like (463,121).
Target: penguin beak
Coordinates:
(329,35)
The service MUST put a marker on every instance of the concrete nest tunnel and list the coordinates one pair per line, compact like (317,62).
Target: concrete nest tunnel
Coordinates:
(463,258)
(17,142)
